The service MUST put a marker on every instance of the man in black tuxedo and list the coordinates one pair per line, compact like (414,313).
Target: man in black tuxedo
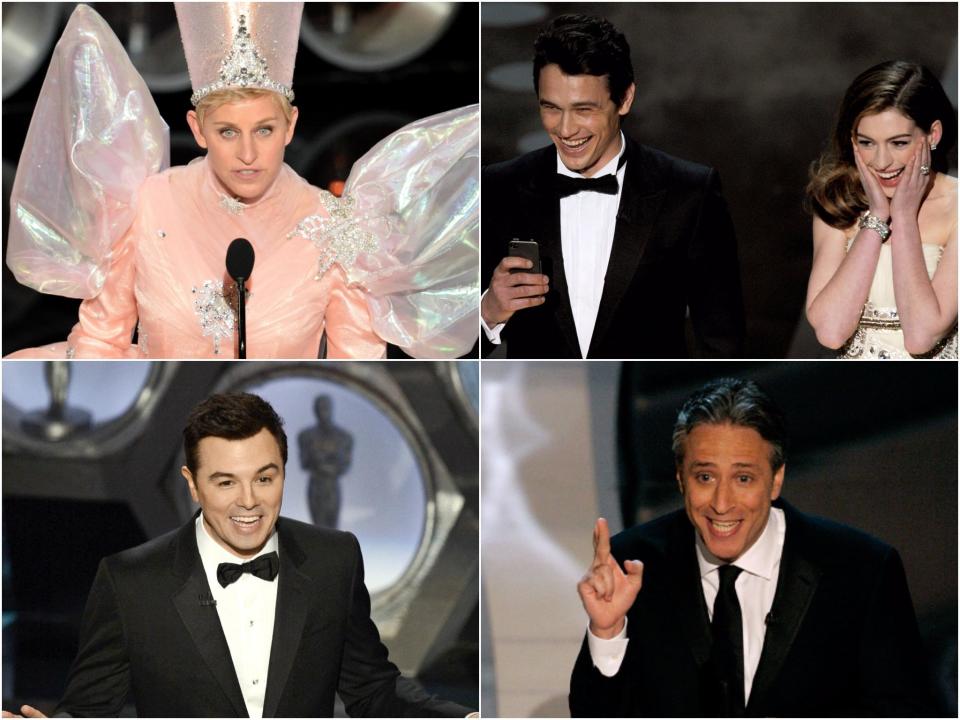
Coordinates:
(630,239)
(239,612)
(756,610)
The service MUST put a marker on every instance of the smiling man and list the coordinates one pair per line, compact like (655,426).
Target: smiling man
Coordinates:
(755,610)
(240,612)
(631,241)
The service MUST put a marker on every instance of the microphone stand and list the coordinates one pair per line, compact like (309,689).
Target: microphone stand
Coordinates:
(240,259)
(242,317)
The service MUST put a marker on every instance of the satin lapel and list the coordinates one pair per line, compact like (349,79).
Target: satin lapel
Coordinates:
(202,621)
(293,603)
(688,591)
(546,211)
(795,588)
(636,218)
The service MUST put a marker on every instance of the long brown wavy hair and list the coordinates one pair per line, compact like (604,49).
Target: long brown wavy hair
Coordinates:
(834,191)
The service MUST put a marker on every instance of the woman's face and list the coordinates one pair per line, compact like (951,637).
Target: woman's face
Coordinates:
(244,141)
(888,141)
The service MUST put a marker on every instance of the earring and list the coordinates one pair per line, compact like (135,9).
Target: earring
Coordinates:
(933,146)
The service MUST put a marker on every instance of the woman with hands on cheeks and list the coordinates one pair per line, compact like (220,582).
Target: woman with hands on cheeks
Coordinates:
(884,276)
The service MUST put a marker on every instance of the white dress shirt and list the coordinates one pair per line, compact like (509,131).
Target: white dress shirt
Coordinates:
(756,587)
(587,224)
(246,609)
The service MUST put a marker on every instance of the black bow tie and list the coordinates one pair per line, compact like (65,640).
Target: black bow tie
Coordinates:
(264,567)
(566,185)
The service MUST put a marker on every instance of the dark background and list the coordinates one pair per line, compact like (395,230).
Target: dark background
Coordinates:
(343,112)
(748,88)
(869,445)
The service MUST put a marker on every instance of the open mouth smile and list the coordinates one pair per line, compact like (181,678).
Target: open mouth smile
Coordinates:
(723,528)
(246,523)
(889,179)
(574,145)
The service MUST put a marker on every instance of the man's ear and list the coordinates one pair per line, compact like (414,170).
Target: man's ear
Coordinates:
(191,483)
(194,122)
(680,480)
(627,100)
(777,482)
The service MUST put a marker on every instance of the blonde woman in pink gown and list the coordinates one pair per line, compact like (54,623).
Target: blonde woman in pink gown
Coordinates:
(393,260)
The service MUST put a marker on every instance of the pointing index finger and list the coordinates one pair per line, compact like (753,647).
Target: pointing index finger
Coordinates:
(601,542)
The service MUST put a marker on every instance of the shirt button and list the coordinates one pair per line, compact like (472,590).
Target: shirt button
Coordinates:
(251,623)
(256,681)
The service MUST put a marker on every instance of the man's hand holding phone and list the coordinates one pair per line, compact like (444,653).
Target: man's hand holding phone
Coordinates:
(516,284)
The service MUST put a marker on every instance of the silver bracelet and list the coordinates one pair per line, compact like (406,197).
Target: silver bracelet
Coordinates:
(872,222)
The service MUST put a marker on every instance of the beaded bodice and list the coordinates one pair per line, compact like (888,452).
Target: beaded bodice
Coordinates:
(879,335)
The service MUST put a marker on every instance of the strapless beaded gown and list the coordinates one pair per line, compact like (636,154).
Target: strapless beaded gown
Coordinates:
(879,335)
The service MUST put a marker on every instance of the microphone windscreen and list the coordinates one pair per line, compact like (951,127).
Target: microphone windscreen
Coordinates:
(240,259)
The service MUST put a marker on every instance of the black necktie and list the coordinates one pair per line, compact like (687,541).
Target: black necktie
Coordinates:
(726,654)
(264,567)
(606,184)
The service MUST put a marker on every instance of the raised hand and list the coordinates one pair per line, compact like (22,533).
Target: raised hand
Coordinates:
(27,710)
(606,591)
(913,185)
(877,200)
(510,292)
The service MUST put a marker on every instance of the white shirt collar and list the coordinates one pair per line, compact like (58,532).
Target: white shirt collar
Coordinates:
(762,557)
(609,169)
(213,553)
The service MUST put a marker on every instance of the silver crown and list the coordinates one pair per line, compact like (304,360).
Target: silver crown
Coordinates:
(243,66)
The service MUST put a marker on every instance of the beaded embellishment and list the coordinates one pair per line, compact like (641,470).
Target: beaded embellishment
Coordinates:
(866,342)
(243,66)
(232,206)
(142,340)
(340,237)
(217,315)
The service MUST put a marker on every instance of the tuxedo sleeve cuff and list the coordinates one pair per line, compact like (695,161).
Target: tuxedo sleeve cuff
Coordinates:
(607,655)
(492,333)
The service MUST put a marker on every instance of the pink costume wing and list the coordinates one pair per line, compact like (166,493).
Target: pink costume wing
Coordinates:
(417,193)
(95,135)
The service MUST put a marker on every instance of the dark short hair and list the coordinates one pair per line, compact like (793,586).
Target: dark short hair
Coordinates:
(585,45)
(232,416)
(734,402)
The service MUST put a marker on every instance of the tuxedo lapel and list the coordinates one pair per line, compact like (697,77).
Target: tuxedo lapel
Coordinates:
(545,206)
(688,592)
(202,621)
(293,599)
(640,202)
(795,588)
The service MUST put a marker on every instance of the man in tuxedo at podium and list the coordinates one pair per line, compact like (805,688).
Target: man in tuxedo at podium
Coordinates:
(239,612)
(741,605)
(631,241)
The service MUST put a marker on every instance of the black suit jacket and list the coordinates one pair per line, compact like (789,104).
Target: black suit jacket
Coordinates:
(841,638)
(673,248)
(145,632)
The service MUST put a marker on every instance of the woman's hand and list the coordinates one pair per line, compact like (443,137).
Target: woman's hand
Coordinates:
(913,185)
(879,205)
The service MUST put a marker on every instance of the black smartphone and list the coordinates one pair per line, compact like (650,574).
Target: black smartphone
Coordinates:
(526,249)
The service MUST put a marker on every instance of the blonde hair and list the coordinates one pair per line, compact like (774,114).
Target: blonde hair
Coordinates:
(210,102)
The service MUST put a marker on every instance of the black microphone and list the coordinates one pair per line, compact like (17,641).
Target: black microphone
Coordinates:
(240,266)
